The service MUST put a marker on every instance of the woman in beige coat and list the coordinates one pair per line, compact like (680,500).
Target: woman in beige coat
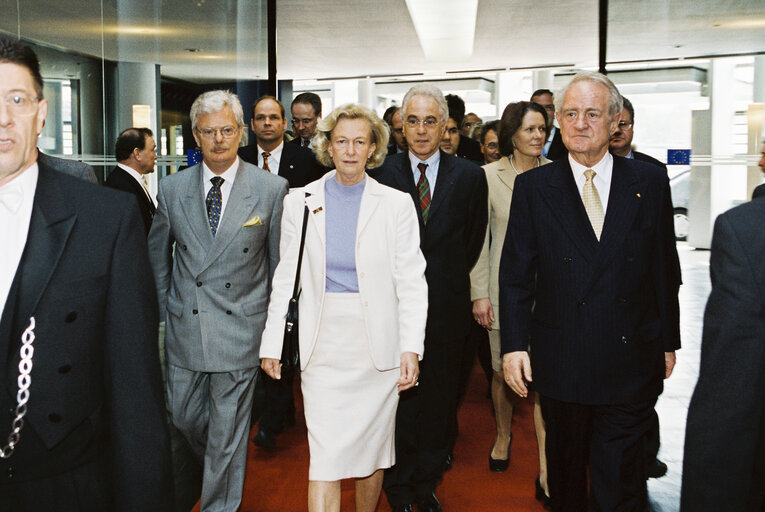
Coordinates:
(522,134)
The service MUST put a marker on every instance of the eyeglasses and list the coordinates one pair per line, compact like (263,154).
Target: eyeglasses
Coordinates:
(428,123)
(20,104)
(624,125)
(227,132)
(492,146)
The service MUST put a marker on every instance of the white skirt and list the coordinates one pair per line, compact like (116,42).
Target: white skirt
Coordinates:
(350,406)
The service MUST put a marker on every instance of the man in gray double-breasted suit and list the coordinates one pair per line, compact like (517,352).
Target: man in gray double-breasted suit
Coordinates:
(223,218)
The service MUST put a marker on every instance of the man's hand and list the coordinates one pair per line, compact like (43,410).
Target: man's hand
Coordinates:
(517,369)
(669,363)
(483,312)
(410,371)
(273,367)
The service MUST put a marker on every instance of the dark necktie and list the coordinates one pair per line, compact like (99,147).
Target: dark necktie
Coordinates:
(214,203)
(423,192)
(306,143)
(266,154)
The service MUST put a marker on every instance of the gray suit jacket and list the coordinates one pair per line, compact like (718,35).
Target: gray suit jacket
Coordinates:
(213,291)
(72,167)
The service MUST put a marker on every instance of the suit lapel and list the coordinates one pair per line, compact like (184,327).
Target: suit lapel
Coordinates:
(369,202)
(444,184)
(566,204)
(317,214)
(49,229)
(506,174)
(238,208)
(194,207)
(623,205)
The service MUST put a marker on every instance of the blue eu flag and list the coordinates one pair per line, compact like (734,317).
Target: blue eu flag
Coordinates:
(678,157)
(194,156)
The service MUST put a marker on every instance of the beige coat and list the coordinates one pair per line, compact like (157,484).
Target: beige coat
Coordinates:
(484,278)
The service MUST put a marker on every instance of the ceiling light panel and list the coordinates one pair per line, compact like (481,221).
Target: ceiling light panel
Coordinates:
(445,28)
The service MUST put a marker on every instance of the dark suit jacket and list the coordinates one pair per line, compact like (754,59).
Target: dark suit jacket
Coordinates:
(96,393)
(470,149)
(557,148)
(297,165)
(724,462)
(121,180)
(451,241)
(72,167)
(649,159)
(598,315)
(758,191)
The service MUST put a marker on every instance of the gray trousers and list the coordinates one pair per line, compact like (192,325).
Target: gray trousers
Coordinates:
(212,410)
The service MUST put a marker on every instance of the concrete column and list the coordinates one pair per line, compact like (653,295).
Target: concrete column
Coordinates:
(344,91)
(543,79)
(367,93)
(510,86)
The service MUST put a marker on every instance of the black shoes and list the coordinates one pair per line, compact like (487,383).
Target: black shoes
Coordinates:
(655,469)
(265,440)
(500,465)
(540,495)
(429,504)
(404,508)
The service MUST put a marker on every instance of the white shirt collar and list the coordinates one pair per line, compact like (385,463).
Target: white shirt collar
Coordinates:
(135,174)
(603,168)
(228,175)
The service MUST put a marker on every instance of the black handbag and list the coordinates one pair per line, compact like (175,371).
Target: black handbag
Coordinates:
(290,347)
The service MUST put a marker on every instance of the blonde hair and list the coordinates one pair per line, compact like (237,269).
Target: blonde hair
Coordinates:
(378,129)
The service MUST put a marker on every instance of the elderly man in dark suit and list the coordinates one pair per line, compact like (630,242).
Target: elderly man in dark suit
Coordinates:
(136,154)
(214,246)
(588,284)
(724,461)
(78,334)
(451,197)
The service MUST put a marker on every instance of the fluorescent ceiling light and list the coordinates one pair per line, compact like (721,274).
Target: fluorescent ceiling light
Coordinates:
(445,28)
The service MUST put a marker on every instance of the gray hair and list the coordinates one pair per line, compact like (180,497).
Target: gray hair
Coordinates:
(377,127)
(615,104)
(430,91)
(214,101)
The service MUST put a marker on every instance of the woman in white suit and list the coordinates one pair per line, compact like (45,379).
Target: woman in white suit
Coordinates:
(522,134)
(362,308)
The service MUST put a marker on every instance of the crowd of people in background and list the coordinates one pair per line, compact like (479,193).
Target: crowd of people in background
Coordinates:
(541,240)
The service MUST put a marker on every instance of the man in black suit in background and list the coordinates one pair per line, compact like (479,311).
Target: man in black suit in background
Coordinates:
(620,144)
(724,461)
(79,311)
(588,283)
(269,152)
(136,154)
(306,112)
(450,195)
(554,148)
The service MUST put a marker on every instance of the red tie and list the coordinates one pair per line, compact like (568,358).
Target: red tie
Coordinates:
(266,154)
(423,191)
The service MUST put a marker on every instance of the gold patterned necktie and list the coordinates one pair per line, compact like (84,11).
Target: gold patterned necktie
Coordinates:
(266,154)
(592,204)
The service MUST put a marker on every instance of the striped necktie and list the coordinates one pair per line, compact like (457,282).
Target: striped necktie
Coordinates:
(423,192)
(592,204)
(214,203)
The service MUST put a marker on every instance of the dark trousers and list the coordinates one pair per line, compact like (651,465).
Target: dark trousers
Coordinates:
(279,404)
(423,421)
(607,439)
(652,440)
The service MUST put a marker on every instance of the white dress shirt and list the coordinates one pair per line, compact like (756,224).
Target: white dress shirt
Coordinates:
(16,200)
(139,178)
(602,180)
(273,159)
(431,173)
(225,189)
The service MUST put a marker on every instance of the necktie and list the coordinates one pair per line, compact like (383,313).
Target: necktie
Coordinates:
(266,154)
(306,143)
(11,197)
(145,183)
(592,204)
(423,192)
(214,201)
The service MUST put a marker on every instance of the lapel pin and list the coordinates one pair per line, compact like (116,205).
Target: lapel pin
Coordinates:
(638,194)
(317,210)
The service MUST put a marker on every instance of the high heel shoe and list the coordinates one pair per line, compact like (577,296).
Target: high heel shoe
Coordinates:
(500,465)
(540,495)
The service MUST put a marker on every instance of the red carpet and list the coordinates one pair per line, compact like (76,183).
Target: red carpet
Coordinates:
(278,481)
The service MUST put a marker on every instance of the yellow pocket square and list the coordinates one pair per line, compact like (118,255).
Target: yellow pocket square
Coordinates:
(255,221)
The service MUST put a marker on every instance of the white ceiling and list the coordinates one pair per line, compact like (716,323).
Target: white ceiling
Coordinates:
(354,38)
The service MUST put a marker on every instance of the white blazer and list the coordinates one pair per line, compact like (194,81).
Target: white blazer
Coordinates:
(389,265)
